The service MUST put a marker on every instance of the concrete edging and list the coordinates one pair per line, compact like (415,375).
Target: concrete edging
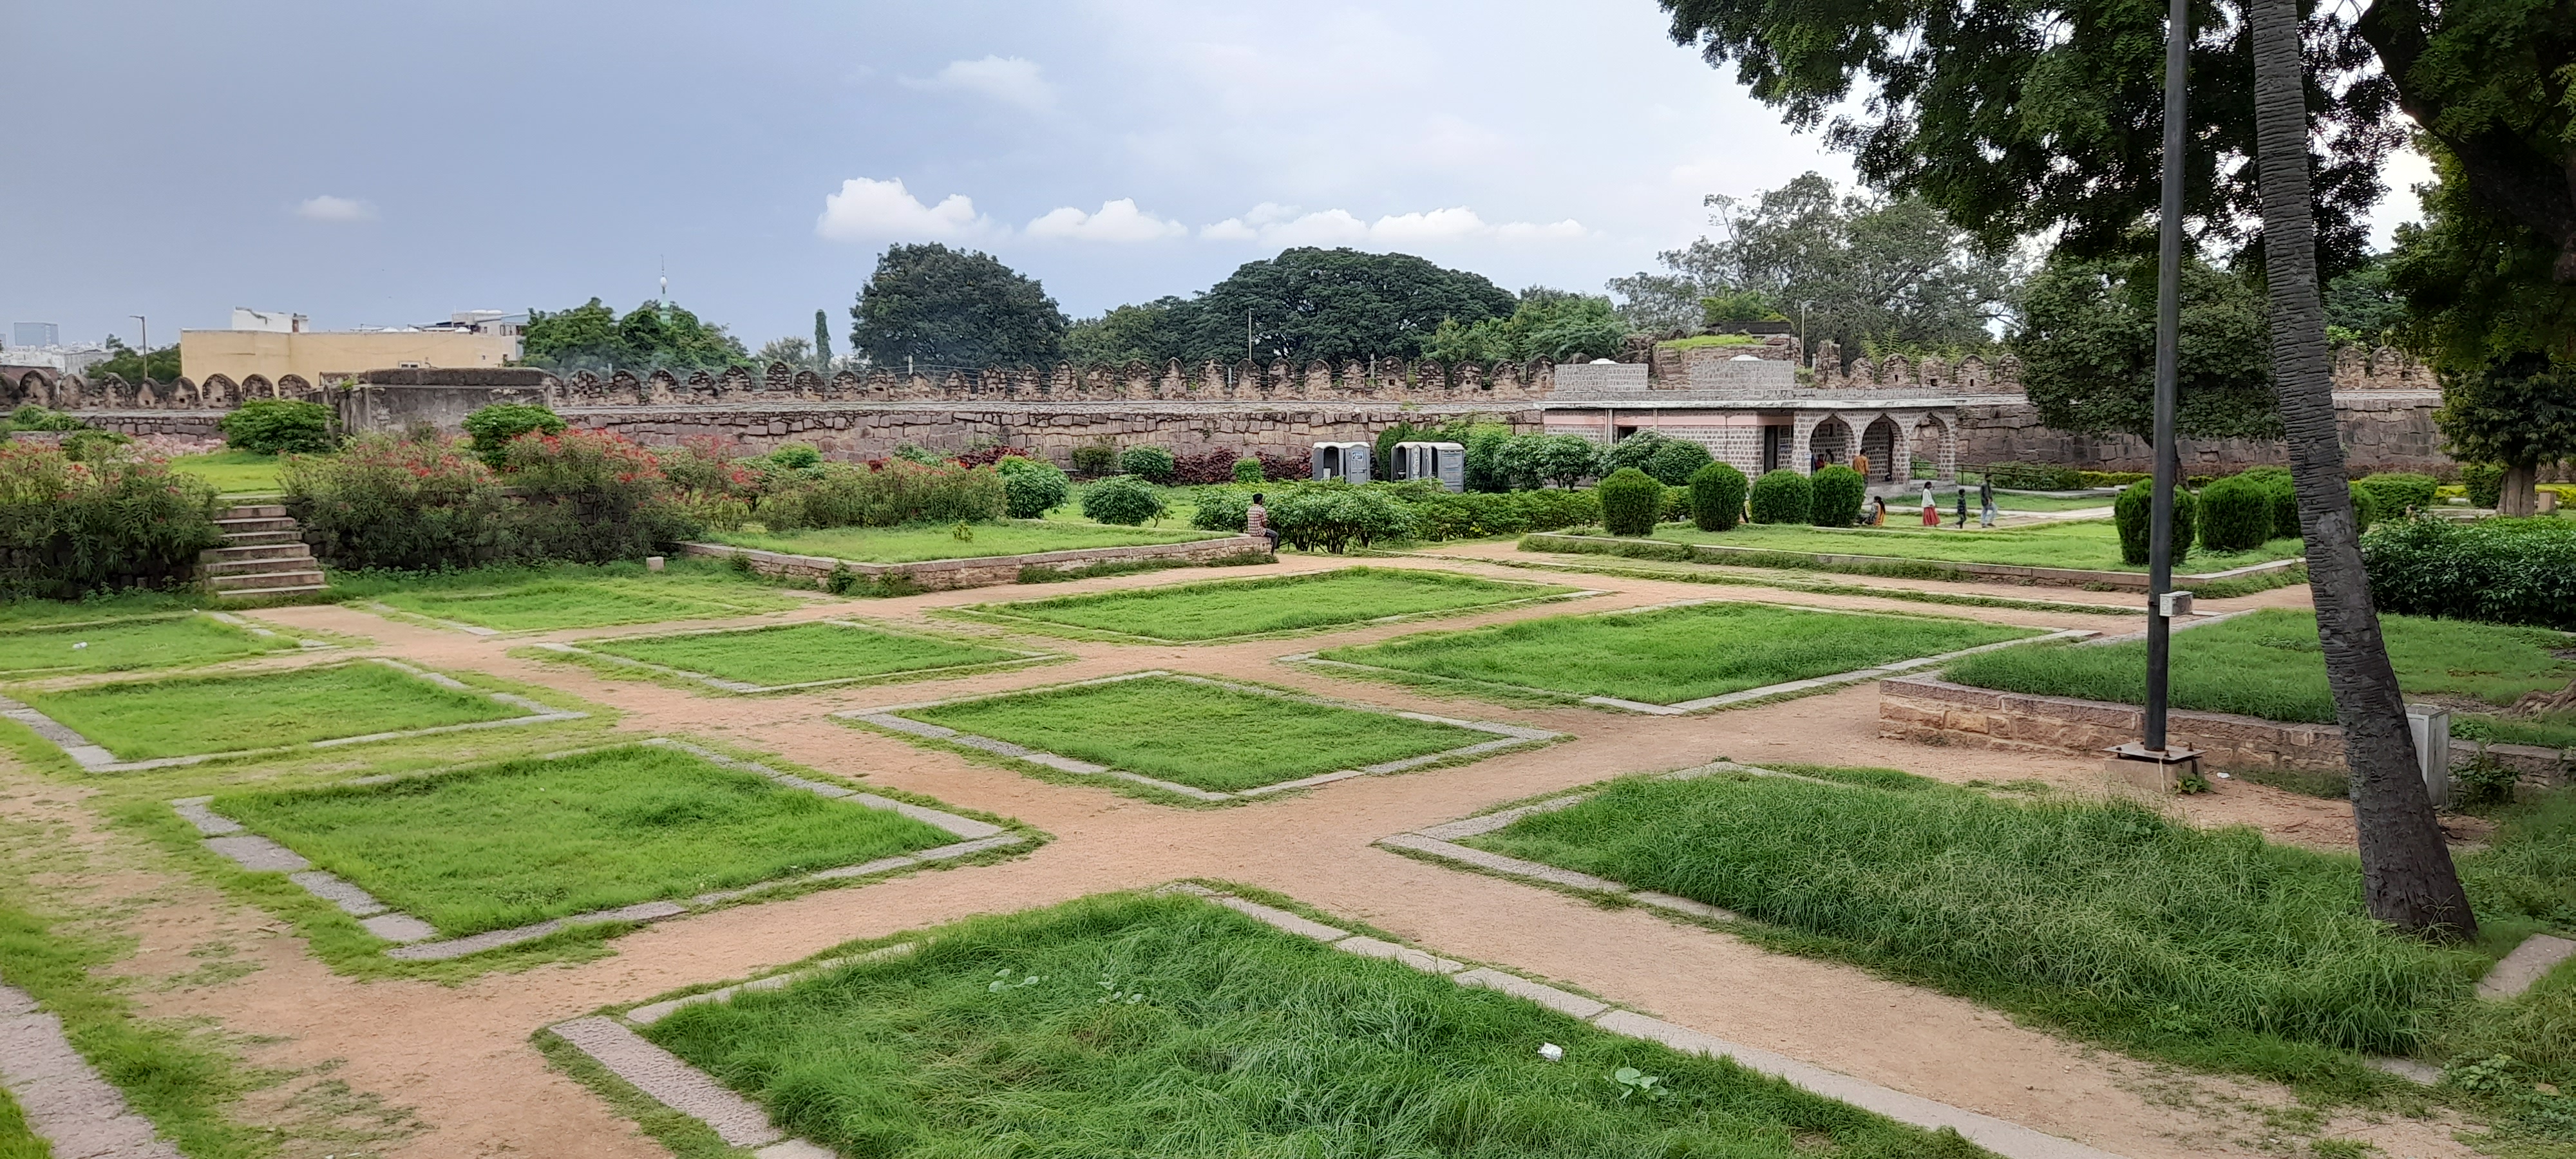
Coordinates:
(979,571)
(416,940)
(1027,657)
(67,1104)
(987,613)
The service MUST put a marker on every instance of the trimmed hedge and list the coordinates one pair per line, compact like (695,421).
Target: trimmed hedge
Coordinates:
(1630,501)
(1835,494)
(2499,571)
(1781,496)
(2366,508)
(2130,514)
(2235,514)
(2398,490)
(1673,463)
(1717,497)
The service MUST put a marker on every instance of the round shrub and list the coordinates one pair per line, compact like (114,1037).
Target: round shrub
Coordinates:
(2366,508)
(1835,495)
(1247,470)
(272,426)
(1121,499)
(2398,490)
(1630,501)
(1676,461)
(1031,488)
(796,456)
(493,427)
(1152,464)
(2284,495)
(2235,514)
(2485,483)
(1717,497)
(1093,460)
(1781,496)
(2129,515)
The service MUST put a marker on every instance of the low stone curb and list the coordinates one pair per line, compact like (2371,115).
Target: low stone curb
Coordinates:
(979,571)
(684,1088)
(1702,704)
(66,1104)
(414,938)
(257,630)
(1508,736)
(94,758)
(1026,657)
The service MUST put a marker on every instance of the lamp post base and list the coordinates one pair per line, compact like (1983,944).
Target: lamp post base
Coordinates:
(2157,770)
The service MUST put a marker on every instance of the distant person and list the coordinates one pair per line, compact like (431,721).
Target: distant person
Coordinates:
(1963,508)
(1986,501)
(1256,521)
(1860,463)
(1817,462)
(1931,506)
(1878,513)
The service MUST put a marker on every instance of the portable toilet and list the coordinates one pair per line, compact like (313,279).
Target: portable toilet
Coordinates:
(1343,461)
(1442,463)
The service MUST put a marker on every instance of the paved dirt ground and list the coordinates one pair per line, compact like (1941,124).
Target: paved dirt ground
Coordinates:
(418,1069)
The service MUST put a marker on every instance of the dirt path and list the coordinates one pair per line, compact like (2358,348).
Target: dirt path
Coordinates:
(458,1057)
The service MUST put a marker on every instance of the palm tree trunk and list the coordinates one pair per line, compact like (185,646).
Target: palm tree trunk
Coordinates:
(2406,871)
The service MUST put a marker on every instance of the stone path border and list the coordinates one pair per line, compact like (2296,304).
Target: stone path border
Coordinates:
(80,1114)
(1702,704)
(414,938)
(257,630)
(1511,736)
(608,1041)
(406,615)
(985,613)
(1027,657)
(2535,957)
(225,618)
(94,758)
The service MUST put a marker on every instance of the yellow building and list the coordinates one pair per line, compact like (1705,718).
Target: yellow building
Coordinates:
(273,346)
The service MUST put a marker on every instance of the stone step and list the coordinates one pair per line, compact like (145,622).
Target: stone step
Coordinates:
(230,553)
(241,567)
(255,511)
(259,523)
(262,538)
(265,582)
(246,593)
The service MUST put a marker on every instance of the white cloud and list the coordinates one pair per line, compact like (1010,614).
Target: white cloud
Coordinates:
(871,210)
(1008,79)
(1273,224)
(336,209)
(1117,221)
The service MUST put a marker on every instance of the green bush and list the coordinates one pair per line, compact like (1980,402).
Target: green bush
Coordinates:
(2484,483)
(2398,490)
(894,492)
(1031,488)
(1530,460)
(401,505)
(2092,479)
(30,417)
(1093,460)
(2500,571)
(273,426)
(2130,514)
(1673,463)
(1336,516)
(590,497)
(67,529)
(493,427)
(1247,471)
(90,444)
(2365,508)
(1484,466)
(1121,499)
(2035,476)
(2284,497)
(1152,464)
(796,456)
(1781,496)
(1630,501)
(1835,494)
(2235,514)
(1717,497)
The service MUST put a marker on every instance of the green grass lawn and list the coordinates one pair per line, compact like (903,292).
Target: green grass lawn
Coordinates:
(914,543)
(1910,507)
(1217,739)
(2088,544)
(2268,664)
(115,646)
(2210,946)
(1129,1027)
(149,719)
(17,1140)
(799,653)
(532,839)
(539,604)
(1221,609)
(1676,654)
(232,472)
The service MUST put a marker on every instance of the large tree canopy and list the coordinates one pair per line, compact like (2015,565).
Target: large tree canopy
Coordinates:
(2088,350)
(1305,304)
(1558,325)
(1883,274)
(656,334)
(953,308)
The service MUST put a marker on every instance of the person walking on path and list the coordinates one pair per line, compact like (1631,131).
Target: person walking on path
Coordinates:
(1986,501)
(1256,521)
(1931,506)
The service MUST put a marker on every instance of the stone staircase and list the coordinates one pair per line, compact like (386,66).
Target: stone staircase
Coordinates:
(264,554)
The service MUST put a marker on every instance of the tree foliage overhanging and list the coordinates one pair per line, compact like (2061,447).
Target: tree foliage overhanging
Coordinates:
(954,309)
(1305,304)
(593,337)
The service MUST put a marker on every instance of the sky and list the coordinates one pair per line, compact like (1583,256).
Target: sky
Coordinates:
(390,163)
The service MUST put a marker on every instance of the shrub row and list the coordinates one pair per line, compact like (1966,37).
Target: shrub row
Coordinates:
(2500,571)
(582,496)
(2052,477)
(68,527)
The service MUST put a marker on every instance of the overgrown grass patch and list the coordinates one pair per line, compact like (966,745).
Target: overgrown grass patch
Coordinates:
(2268,664)
(1204,736)
(2214,948)
(1228,609)
(1172,1028)
(188,716)
(516,599)
(232,472)
(916,543)
(522,841)
(805,653)
(175,641)
(1672,655)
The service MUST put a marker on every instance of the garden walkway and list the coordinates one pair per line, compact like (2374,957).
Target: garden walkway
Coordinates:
(457,1059)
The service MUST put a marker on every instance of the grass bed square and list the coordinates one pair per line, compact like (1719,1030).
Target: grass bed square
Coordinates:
(917,543)
(140,720)
(546,604)
(1207,737)
(1226,609)
(124,645)
(803,653)
(519,842)
(1171,1028)
(1672,655)
(2088,544)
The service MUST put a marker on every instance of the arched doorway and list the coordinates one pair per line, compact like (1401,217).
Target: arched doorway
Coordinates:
(1831,439)
(1879,442)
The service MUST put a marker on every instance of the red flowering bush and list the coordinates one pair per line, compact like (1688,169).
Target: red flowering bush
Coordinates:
(591,496)
(69,527)
(399,504)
